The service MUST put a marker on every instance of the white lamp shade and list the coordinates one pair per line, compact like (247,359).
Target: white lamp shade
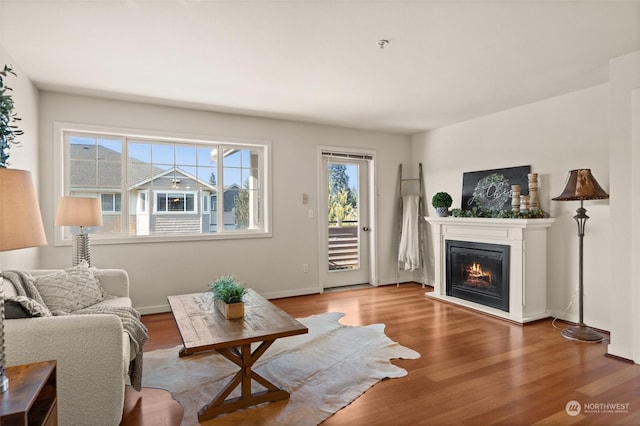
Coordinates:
(79,211)
(20,220)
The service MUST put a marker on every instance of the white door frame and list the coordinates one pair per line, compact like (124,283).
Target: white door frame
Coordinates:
(373,213)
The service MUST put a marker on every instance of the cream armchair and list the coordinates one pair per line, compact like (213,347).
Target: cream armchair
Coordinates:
(92,354)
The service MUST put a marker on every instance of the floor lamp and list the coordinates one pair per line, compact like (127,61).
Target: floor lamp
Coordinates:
(81,212)
(20,227)
(581,185)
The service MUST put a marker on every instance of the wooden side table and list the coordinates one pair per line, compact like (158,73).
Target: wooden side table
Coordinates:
(31,398)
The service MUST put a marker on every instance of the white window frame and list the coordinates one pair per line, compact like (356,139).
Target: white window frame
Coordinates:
(61,181)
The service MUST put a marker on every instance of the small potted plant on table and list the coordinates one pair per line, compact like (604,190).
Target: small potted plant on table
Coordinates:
(442,201)
(227,295)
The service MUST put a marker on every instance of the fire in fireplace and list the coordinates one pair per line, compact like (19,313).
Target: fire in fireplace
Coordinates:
(478,272)
(476,276)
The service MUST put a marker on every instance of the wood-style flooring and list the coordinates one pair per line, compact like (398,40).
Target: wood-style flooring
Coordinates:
(474,369)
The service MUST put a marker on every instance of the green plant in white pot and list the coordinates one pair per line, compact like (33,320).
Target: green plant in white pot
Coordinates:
(228,294)
(442,201)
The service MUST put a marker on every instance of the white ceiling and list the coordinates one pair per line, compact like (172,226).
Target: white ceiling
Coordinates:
(319,61)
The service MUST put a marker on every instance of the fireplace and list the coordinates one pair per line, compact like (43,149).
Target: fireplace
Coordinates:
(478,272)
(527,273)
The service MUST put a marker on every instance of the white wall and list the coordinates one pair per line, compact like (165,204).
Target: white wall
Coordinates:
(624,76)
(272,266)
(553,136)
(25,155)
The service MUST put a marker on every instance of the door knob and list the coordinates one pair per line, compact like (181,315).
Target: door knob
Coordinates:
(366,228)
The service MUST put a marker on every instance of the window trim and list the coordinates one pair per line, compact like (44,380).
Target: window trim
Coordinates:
(61,164)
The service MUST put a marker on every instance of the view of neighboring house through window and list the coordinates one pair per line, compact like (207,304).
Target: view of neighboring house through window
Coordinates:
(110,202)
(167,187)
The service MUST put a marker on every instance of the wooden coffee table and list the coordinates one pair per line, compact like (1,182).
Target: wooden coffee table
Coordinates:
(203,328)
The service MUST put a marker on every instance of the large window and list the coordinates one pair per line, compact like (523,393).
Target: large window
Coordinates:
(151,186)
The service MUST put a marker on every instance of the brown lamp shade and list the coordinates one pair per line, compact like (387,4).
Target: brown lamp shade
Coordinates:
(581,185)
(79,211)
(20,220)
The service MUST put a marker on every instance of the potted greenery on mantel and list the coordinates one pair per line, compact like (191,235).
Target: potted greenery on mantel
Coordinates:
(8,130)
(500,214)
(442,201)
(228,294)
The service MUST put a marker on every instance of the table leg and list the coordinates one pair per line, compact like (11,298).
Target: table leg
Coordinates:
(244,359)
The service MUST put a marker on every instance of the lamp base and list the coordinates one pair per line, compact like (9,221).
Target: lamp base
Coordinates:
(582,333)
(81,249)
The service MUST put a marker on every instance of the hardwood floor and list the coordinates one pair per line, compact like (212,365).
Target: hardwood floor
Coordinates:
(474,369)
(151,407)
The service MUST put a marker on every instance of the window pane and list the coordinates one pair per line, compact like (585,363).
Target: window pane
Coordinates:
(107,202)
(82,148)
(232,177)
(192,171)
(180,178)
(109,168)
(175,202)
(208,175)
(232,157)
(161,202)
(186,155)
(250,178)
(190,204)
(139,173)
(162,154)
(142,202)
(139,152)
(207,157)
(109,150)
(109,174)
(82,174)
(205,202)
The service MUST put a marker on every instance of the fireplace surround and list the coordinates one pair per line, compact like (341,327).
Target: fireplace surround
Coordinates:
(526,240)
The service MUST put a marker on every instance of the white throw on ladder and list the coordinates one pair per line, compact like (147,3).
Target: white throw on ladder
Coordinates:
(409,252)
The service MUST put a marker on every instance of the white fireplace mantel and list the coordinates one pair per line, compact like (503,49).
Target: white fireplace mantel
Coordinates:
(527,239)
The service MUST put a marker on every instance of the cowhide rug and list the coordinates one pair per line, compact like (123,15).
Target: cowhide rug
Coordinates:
(323,370)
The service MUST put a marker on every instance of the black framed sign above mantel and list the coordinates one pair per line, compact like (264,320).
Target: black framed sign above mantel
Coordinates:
(491,189)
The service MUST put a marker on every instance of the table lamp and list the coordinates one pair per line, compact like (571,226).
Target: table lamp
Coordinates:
(581,185)
(20,227)
(81,212)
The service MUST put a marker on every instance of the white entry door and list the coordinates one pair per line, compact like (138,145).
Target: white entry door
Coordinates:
(344,220)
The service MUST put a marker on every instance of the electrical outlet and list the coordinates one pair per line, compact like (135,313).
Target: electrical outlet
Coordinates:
(305,268)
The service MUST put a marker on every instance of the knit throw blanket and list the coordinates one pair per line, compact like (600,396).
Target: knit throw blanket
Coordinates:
(130,318)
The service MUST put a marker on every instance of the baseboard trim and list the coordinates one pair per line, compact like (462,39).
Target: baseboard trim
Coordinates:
(158,309)
(619,358)
(154,309)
